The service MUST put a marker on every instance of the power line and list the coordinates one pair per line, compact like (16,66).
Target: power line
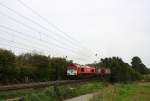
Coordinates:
(20,33)
(47,21)
(34,22)
(44,41)
(22,44)
(25,25)
(15,20)
(30,26)
(15,46)
(27,49)
(32,29)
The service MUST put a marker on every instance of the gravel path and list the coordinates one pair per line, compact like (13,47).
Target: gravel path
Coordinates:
(81,98)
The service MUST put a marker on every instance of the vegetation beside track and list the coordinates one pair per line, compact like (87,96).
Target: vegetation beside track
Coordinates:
(146,78)
(48,94)
(34,67)
(124,92)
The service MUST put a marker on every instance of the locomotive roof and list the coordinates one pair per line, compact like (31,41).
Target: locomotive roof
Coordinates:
(82,66)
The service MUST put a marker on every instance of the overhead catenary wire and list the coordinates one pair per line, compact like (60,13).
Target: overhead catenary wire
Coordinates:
(26,46)
(34,29)
(34,22)
(25,25)
(25,37)
(41,26)
(44,33)
(50,23)
(23,44)
(27,49)
(34,38)
(15,46)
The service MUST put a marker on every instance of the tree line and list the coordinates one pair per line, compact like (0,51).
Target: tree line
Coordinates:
(33,67)
(30,67)
(122,71)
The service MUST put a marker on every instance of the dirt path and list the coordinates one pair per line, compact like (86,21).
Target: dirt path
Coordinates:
(81,98)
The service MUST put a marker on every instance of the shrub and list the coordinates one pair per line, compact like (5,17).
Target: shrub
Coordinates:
(8,70)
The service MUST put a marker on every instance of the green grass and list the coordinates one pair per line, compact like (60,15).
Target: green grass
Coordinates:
(122,92)
(48,94)
(18,93)
(146,78)
(80,89)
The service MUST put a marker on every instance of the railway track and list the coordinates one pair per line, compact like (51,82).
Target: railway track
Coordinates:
(39,84)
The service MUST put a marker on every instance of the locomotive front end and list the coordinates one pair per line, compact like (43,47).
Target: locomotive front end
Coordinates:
(72,71)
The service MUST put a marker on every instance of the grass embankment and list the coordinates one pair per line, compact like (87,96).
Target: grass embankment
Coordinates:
(48,94)
(146,78)
(122,92)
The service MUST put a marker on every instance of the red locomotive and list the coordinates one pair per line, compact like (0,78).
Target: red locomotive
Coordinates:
(78,71)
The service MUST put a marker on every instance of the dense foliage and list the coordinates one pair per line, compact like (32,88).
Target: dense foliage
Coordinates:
(8,71)
(33,67)
(120,71)
(139,66)
(30,67)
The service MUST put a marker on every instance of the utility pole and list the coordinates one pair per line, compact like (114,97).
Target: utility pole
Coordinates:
(96,58)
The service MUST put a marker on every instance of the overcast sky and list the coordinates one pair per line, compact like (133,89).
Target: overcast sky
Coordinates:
(106,27)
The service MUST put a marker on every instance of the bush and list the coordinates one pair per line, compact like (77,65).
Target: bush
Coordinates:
(8,70)
(120,71)
(30,67)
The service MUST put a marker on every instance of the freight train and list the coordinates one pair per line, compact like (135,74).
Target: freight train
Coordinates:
(76,71)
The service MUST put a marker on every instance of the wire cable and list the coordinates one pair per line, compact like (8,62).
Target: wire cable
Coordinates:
(50,23)
(15,20)
(34,22)
(34,38)
(20,33)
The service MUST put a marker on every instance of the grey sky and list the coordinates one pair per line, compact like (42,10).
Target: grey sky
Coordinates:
(107,27)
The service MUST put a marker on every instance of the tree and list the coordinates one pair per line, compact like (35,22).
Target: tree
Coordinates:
(138,65)
(59,67)
(30,67)
(38,65)
(120,71)
(8,70)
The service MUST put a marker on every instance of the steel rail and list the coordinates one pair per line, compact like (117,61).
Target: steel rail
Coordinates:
(39,84)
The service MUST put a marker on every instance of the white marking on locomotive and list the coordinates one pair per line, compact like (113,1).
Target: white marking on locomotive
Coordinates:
(71,72)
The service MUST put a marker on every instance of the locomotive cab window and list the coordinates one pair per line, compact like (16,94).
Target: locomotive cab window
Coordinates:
(92,70)
(82,69)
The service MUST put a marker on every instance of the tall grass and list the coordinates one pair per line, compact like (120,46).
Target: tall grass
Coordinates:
(66,91)
(48,94)
(122,92)
(146,78)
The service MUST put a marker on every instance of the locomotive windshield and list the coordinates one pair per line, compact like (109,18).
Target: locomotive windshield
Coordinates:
(71,71)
